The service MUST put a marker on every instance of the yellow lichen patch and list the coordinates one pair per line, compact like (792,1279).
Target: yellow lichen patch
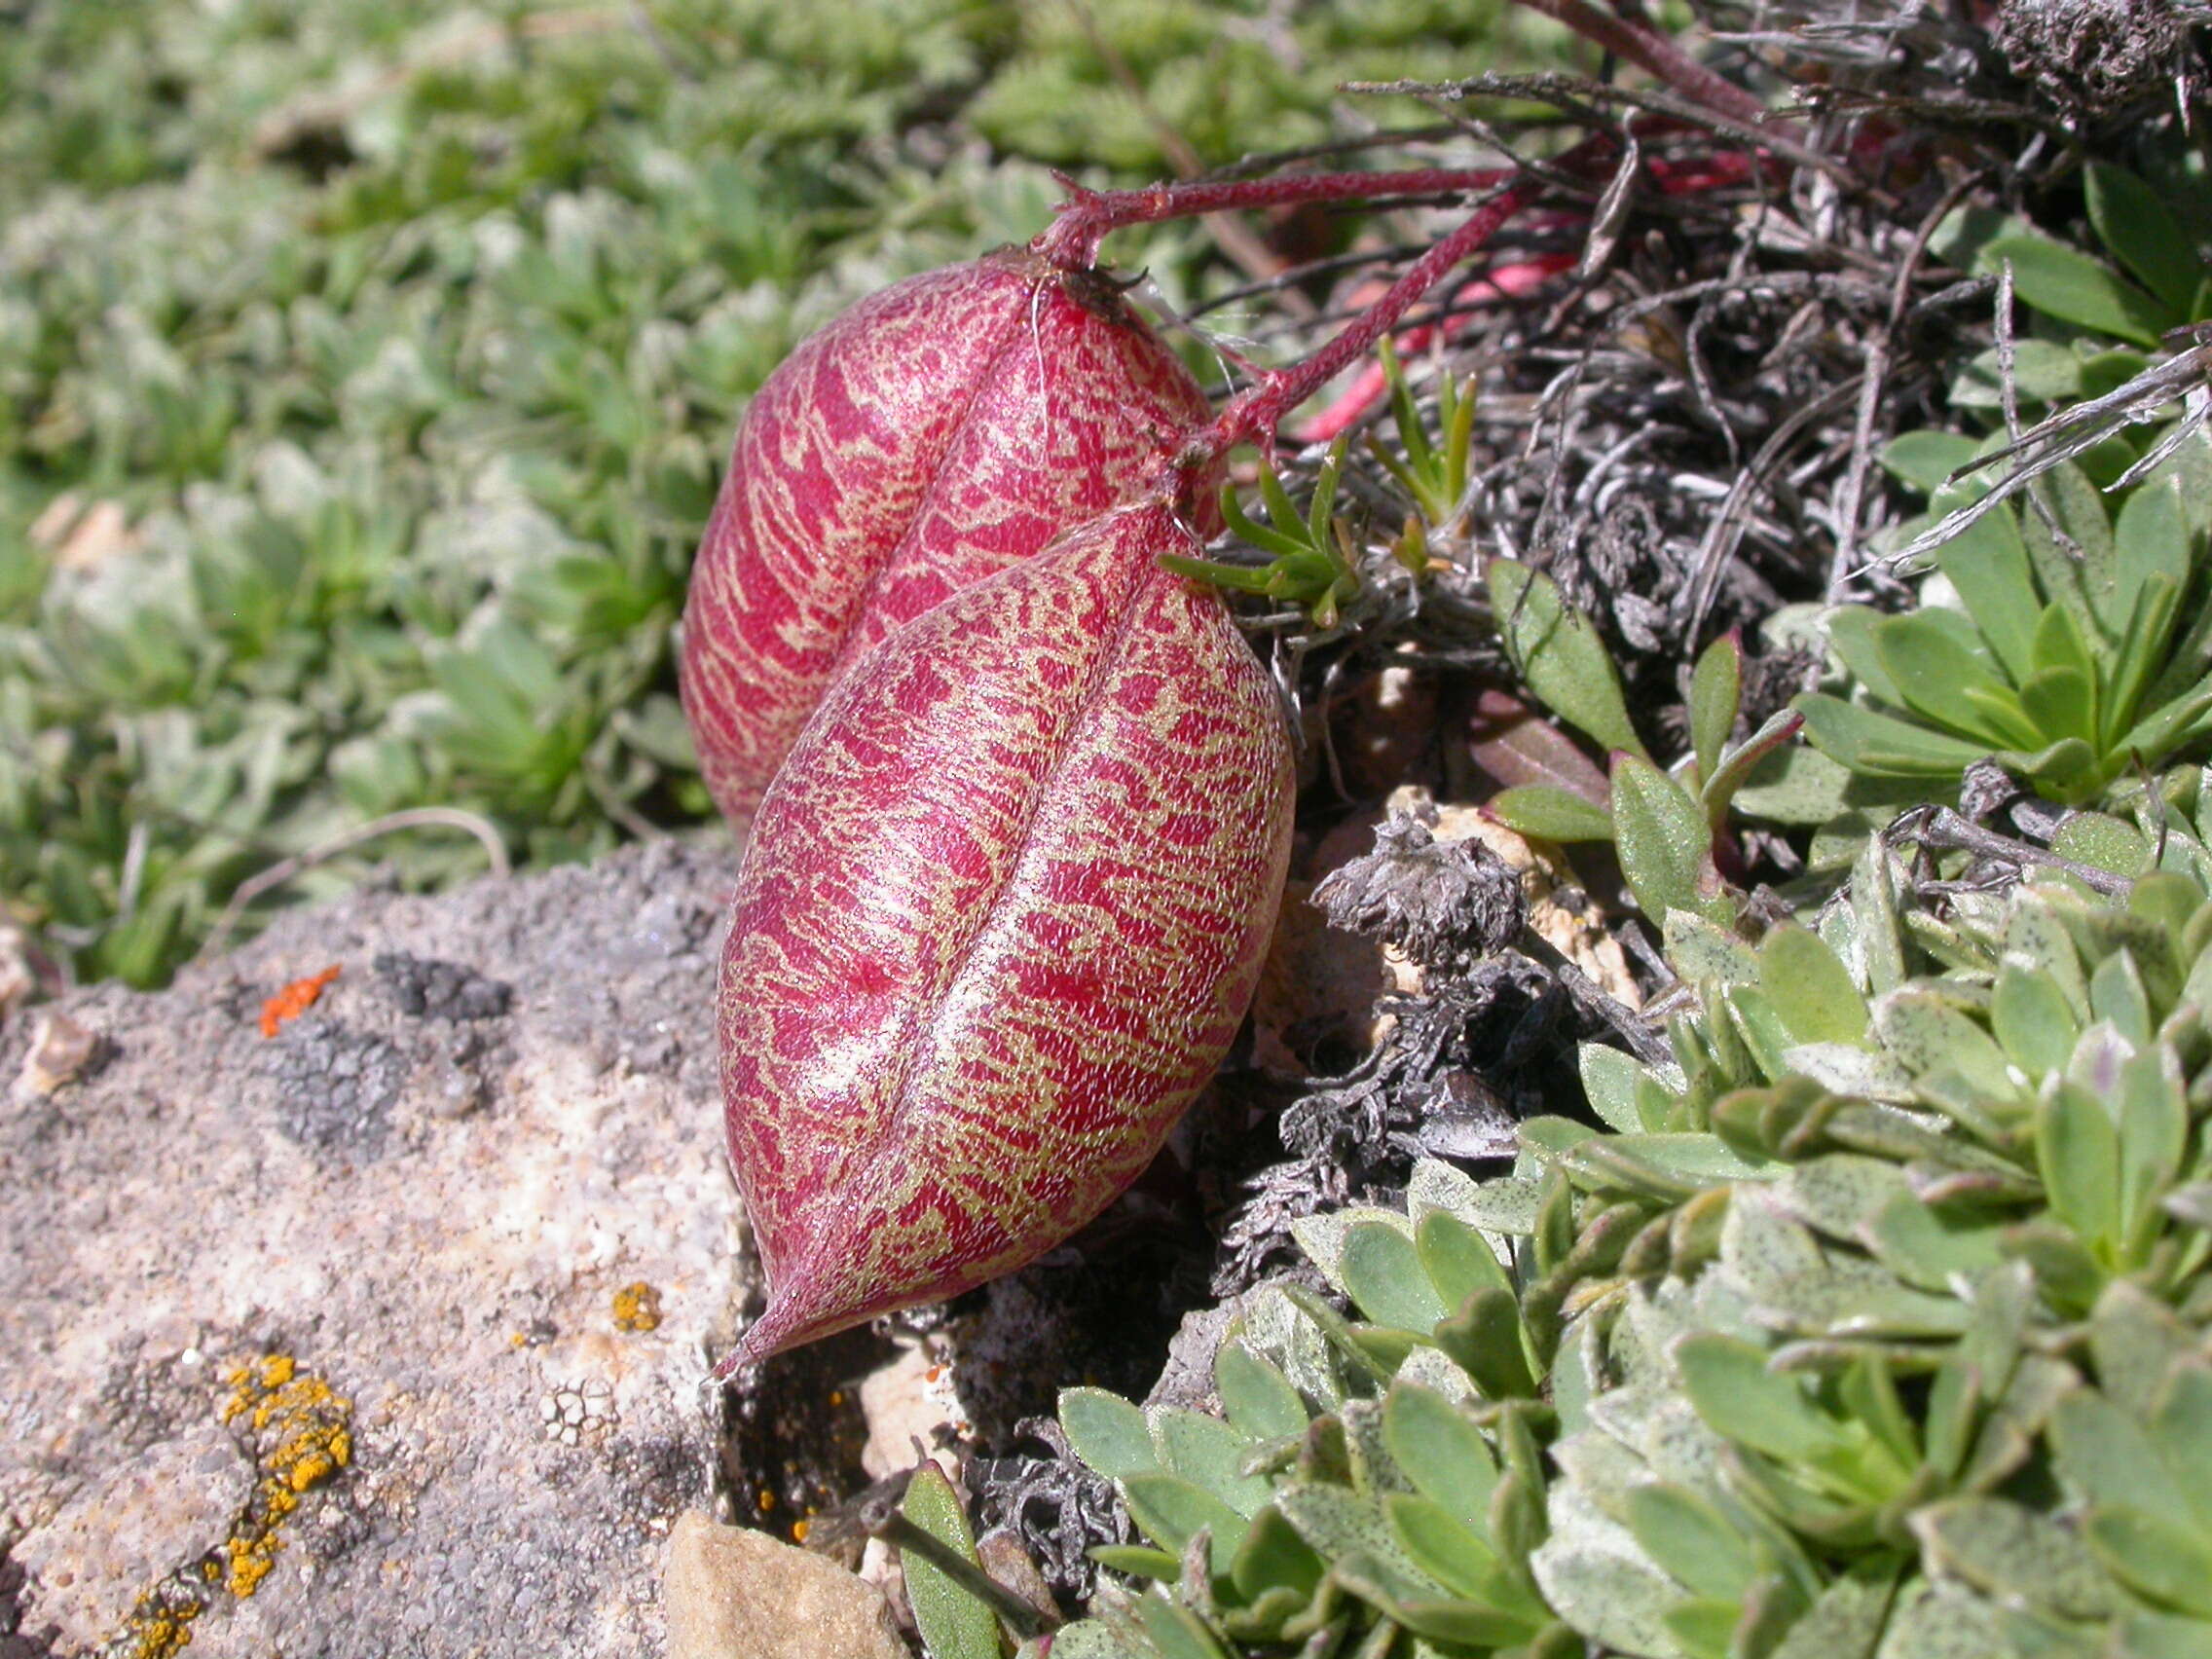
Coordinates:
(637,1307)
(302,1435)
(160,1626)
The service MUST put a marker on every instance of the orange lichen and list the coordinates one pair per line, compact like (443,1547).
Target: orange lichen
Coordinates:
(294,1000)
(160,1626)
(303,1436)
(637,1307)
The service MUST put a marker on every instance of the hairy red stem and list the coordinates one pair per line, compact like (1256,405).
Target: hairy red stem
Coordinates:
(1255,411)
(1087,216)
(1656,54)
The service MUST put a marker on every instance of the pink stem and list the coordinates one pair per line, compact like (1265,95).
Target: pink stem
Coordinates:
(1656,54)
(1255,412)
(1088,216)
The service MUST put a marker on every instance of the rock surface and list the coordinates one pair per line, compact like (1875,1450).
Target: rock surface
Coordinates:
(732,1592)
(382,1335)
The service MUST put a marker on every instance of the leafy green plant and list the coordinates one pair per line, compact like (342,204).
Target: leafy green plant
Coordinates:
(1874,1324)
(1664,824)
(2073,648)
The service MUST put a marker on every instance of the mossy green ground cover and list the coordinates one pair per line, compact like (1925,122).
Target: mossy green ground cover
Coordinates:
(365,374)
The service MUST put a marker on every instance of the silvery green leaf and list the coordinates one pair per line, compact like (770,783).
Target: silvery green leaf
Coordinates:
(2118,998)
(1207,1453)
(1924,1032)
(1797,1286)
(1505,1204)
(1095,1638)
(1874,876)
(1107,1432)
(1926,1249)
(1255,1396)
(2135,1340)
(1699,950)
(2017,1556)
(1847,1619)
(1172,1511)
(1929,1621)
(1847,1069)
(1839,1193)
(2032,1020)
(1432,1368)
(1810,987)
(1321,1235)
(2104,1455)
(1175,1632)
(1381,1269)
(2162,1563)
(1457,1261)
(1608,1082)
(1441,1451)
(1596,1577)
(1281,1331)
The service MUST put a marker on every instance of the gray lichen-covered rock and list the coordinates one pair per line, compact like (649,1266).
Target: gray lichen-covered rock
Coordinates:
(382,1335)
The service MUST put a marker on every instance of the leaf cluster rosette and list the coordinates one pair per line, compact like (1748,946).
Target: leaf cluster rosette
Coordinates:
(1878,1323)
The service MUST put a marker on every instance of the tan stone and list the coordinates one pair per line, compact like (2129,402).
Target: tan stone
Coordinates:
(729,1591)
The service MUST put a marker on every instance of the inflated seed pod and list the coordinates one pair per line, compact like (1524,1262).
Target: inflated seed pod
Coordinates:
(936,432)
(1004,909)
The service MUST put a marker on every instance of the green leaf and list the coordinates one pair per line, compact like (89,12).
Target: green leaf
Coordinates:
(2162,1562)
(2078,1153)
(955,1623)
(1810,988)
(1728,1382)
(1944,680)
(1560,656)
(2133,222)
(1207,1453)
(1382,1271)
(2033,1020)
(1609,1080)
(2015,1555)
(1457,1259)
(1882,745)
(1664,844)
(1176,1630)
(1987,564)
(1717,686)
(1172,1511)
(1440,1544)
(1691,1540)
(1926,459)
(1548,814)
(1441,1452)
(1107,1432)
(2070,286)
(1257,1399)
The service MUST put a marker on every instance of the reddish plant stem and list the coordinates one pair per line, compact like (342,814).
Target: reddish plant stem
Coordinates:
(1088,216)
(1656,54)
(1255,411)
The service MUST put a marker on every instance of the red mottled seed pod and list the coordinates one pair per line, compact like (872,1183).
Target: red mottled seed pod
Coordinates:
(1004,909)
(936,432)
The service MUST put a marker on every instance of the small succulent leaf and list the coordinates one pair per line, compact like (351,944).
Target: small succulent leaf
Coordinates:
(2153,1137)
(2159,1560)
(1670,1166)
(2183,1425)
(1847,1618)
(1794,785)
(2017,1555)
(1840,1192)
(1547,814)
(2068,284)
(2077,1156)
(2135,1341)
(1107,1432)
(1942,1621)
(1927,1250)
(1344,1340)
(1457,1260)
(1926,459)
(1560,654)
(2059,702)
(2032,1021)
(1273,1556)
(1441,1546)
(1692,1541)
(1383,1274)
(1875,903)
(1608,1082)
(2109,1458)
(1701,952)
(1138,1560)
(2036,938)
(1924,1032)
(1208,1453)
(1882,745)
(1987,564)
(1487,1341)
(1941,676)
(955,1622)
(1442,1452)
(1095,1638)
(2119,998)
(2144,236)
(1257,1398)
(1810,987)
(1595,1577)
(1717,688)
(1175,1632)
(1321,1235)
(1172,1511)
(1851,637)
(2161,1636)
(1505,1204)
(1727,1380)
